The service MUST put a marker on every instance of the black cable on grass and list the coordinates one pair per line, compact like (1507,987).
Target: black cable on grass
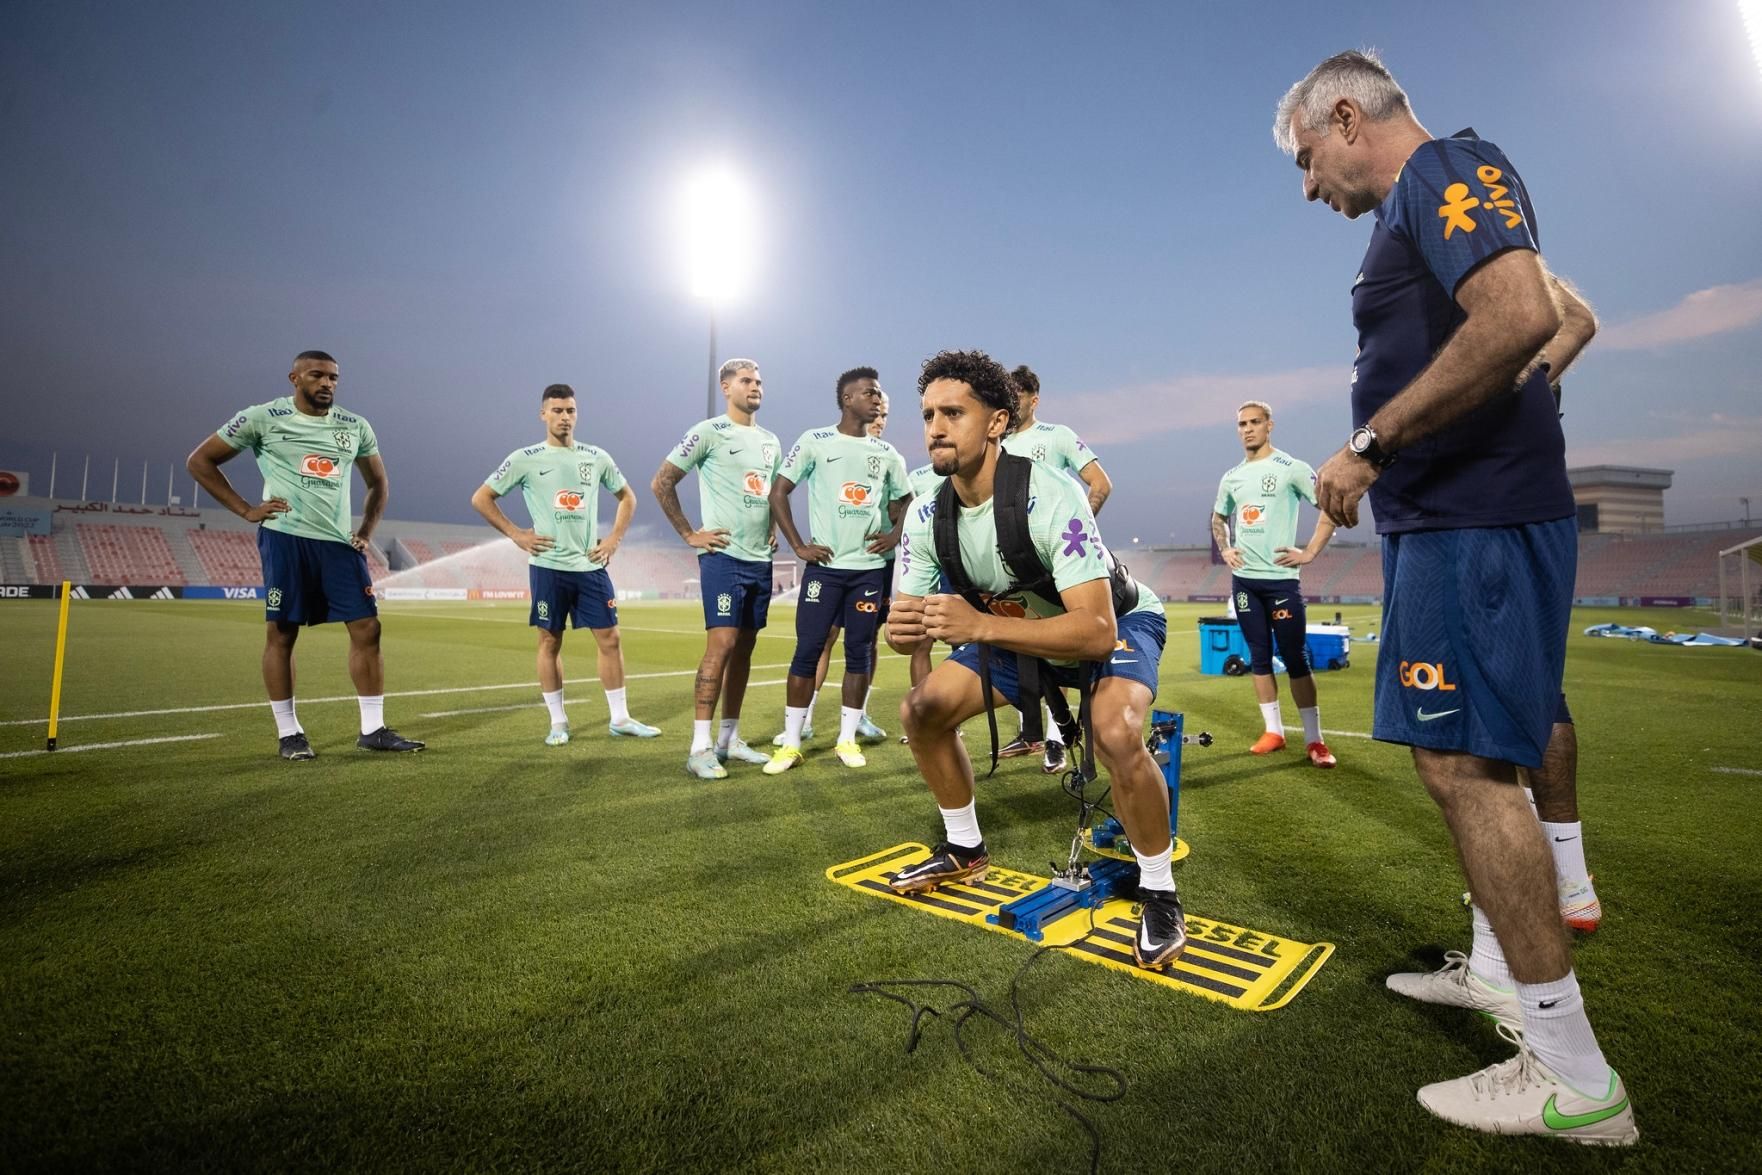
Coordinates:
(1050,1064)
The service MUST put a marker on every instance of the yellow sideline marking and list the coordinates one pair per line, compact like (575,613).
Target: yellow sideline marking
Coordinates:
(1249,970)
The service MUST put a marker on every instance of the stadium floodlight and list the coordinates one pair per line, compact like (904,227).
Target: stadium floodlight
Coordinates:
(718,215)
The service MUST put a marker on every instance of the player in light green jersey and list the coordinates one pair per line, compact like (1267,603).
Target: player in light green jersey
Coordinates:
(314,561)
(1072,629)
(735,461)
(560,478)
(1059,448)
(1262,496)
(856,495)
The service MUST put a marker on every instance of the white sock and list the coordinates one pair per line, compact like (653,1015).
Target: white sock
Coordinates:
(848,717)
(729,731)
(700,735)
(372,713)
(1156,872)
(1567,841)
(1556,1030)
(615,700)
(1487,959)
(869,693)
(554,703)
(1311,716)
(285,722)
(1274,724)
(813,700)
(794,718)
(961,825)
(1047,724)
(1530,795)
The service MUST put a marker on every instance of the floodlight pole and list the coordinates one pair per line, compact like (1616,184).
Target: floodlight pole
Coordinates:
(710,394)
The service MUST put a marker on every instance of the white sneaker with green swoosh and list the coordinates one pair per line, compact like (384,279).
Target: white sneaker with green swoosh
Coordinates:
(1523,1096)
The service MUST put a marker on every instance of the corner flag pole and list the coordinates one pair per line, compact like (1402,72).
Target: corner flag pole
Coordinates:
(60,659)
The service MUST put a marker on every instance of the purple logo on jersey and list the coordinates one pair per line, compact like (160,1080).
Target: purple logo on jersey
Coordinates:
(1075,538)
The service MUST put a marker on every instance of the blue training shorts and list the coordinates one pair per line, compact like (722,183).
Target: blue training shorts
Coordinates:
(1474,638)
(1271,611)
(313,581)
(835,598)
(1136,655)
(737,592)
(586,599)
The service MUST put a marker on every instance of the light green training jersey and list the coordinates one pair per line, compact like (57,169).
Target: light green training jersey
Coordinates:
(1063,531)
(852,481)
(1050,444)
(735,464)
(305,461)
(561,485)
(1260,498)
(924,481)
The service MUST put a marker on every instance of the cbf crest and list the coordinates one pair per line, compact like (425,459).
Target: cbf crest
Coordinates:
(874,467)
(813,591)
(724,604)
(344,439)
(1241,601)
(544,610)
(1268,484)
(585,470)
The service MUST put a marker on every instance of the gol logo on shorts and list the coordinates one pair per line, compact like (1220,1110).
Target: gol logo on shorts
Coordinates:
(755,483)
(317,465)
(1424,675)
(569,500)
(853,493)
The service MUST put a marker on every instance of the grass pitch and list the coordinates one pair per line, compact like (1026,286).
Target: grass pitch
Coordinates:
(496,955)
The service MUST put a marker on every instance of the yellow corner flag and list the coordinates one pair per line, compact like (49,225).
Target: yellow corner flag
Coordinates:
(60,659)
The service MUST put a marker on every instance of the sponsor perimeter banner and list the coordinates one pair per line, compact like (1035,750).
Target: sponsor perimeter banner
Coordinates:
(498,594)
(91,591)
(424,593)
(218,592)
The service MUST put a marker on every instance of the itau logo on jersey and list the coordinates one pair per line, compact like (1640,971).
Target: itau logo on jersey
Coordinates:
(854,493)
(568,500)
(318,465)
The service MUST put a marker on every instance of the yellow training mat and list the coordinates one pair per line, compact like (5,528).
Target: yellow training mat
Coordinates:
(1246,969)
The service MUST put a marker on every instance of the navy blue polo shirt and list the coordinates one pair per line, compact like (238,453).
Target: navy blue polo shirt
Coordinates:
(1456,203)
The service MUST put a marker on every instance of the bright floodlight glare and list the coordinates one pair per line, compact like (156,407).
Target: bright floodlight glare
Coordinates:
(1751,11)
(718,233)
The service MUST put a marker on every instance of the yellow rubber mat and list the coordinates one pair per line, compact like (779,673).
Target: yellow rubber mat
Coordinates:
(1246,969)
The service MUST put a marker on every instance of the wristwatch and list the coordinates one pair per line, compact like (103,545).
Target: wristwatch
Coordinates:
(1364,444)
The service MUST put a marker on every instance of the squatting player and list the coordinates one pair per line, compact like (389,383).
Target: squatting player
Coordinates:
(314,565)
(735,460)
(1059,447)
(1261,496)
(1459,445)
(969,401)
(856,494)
(560,479)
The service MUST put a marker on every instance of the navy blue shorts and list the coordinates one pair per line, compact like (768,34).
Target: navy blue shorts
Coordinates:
(737,592)
(1474,638)
(1271,611)
(1136,654)
(833,598)
(586,599)
(313,581)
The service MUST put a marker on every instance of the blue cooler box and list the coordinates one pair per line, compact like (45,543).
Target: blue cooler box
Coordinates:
(1222,648)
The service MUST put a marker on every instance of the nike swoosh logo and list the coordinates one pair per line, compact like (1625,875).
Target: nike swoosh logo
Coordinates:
(1424,717)
(544,473)
(1560,840)
(1547,1003)
(1124,661)
(830,460)
(1555,1120)
(870,592)
(1144,938)
(1276,603)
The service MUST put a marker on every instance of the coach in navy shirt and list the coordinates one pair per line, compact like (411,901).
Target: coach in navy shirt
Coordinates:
(1457,441)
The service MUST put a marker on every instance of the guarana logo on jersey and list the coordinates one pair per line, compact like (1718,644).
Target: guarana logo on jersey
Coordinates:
(1252,514)
(317,465)
(755,482)
(854,493)
(569,500)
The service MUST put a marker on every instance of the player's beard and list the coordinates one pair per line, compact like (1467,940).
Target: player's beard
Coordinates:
(944,461)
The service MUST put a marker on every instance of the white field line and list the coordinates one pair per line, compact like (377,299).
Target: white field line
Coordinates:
(413,693)
(540,704)
(133,742)
(1339,733)
(1735,770)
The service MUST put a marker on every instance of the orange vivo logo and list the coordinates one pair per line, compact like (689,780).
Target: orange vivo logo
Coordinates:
(317,465)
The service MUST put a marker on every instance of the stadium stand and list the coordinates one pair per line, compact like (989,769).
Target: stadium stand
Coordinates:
(128,554)
(227,556)
(16,565)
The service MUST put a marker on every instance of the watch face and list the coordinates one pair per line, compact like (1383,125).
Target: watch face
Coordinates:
(1361,438)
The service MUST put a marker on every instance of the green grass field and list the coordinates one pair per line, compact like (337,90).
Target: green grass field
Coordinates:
(496,955)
